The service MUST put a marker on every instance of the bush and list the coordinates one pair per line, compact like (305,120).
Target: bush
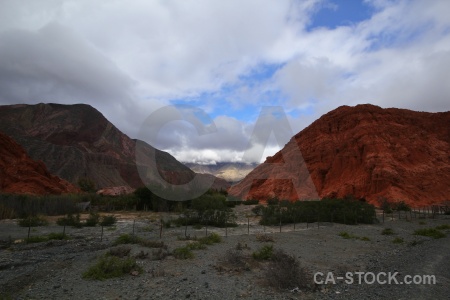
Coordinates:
(430,232)
(284,272)
(213,238)
(183,253)
(387,231)
(70,220)
(326,210)
(264,238)
(33,221)
(443,227)
(108,220)
(92,220)
(347,235)
(120,252)
(251,202)
(127,239)
(46,238)
(264,253)
(109,266)
(398,240)
(235,258)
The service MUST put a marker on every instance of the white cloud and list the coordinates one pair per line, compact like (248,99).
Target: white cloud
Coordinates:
(130,58)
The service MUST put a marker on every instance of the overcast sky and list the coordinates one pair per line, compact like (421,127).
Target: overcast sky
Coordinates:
(227,58)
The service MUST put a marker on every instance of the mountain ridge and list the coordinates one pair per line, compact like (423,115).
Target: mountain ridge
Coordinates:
(365,151)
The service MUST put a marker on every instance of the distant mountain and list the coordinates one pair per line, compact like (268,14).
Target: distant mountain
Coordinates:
(229,171)
(20,174)
(364,151)
(77,141)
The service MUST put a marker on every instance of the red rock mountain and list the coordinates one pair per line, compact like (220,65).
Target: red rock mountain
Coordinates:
(20,174)
(364,151)
(77,141)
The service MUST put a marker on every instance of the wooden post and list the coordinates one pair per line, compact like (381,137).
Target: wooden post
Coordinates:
(226,230)
(134,222)
(64,230)
(248,225)
(29,228)
(101,236)
(160,229)
(185,228)
(383,216)
(206,229)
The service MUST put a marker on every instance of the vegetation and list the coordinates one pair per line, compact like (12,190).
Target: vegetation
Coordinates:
(264,238)
(92,220)
(328,210)
(398,240)
(133,239)
(23,206)
(250,202)
(347,235)
(70,220)
(443,227)
(387,231)
(86,185)
(285,272)
(110,266)
(33,221)
(46,238)
(109,220)
(430,232)
(264,253)
(183,253)
(389,206)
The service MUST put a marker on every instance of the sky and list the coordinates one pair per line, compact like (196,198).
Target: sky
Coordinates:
(226,65)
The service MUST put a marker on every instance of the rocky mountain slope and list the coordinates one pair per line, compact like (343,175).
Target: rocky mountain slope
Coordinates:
(77,141)
(20,174)
(364,151)
(229,171)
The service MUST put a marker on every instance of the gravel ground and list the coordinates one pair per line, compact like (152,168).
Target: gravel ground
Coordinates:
(53,270)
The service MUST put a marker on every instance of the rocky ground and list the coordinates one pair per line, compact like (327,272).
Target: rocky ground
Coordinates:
(53,270)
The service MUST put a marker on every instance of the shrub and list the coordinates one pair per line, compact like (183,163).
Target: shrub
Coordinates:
(251,202)
(213,238)
(264,253)
(127,239)
(92,220)
(120,252)
(284,272)
(196,246)
(443,227)
(46,238)
(70,220)
(430,232)
(235,258)
(183,253)
(422,223)
(264,238)
(387,231)
(257,210)
(108,220)
(346,235)
(33,221)
(398,240)
(141,255)
(109,266)
(364,238)
(160,253)
(415,243)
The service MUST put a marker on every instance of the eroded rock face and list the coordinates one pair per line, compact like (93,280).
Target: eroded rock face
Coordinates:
(19,174)
(77,141)
(364,151)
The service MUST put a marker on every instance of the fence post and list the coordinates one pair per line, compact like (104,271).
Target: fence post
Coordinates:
(29,227)
(101,236)
(134,222)
(248,225)
(160,228)
(383,216)
(206,229)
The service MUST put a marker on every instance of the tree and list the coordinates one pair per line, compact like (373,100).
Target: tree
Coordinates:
(86,185)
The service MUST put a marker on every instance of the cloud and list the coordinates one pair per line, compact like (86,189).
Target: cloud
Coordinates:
(229,58)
